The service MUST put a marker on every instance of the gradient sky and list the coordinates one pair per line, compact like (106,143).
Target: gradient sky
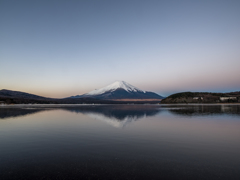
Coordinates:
(59,48)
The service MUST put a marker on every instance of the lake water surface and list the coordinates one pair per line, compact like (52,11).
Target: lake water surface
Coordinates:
(120,142)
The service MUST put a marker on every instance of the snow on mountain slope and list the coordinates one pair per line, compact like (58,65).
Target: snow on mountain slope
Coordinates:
(119,90)
(118,84)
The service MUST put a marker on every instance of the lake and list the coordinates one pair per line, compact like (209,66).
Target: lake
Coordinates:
(120,142)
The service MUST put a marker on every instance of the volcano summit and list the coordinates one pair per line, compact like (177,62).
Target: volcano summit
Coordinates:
(120,90)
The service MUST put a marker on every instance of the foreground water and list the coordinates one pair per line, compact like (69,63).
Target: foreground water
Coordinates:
(120,142)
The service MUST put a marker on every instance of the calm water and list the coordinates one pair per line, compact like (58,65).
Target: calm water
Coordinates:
(120,142)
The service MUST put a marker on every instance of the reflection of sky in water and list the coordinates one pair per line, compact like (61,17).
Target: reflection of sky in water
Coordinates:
(203,140)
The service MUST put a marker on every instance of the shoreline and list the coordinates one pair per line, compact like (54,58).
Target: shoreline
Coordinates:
(128,104)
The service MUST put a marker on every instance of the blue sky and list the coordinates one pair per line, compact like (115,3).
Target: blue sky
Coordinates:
(63,48)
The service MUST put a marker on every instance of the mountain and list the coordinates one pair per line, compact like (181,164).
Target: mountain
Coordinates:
(120,90)
(17,97)
(17,94)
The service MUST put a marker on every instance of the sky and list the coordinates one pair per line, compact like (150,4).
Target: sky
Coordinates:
(58,48)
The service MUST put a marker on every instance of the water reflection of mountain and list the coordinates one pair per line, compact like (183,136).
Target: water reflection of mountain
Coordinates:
(119,112)
(203,110)
(120,115)
(117,115)
(15,112)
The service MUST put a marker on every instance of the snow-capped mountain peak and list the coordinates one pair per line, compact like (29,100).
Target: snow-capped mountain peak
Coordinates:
(120,90)
(116,85)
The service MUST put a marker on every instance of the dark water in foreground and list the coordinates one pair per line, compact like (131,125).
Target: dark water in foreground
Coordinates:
(120,142)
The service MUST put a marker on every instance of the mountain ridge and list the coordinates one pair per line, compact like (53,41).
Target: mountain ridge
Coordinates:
(20,94)
(18,97)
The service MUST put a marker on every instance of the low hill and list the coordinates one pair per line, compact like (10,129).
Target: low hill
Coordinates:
(202,97)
